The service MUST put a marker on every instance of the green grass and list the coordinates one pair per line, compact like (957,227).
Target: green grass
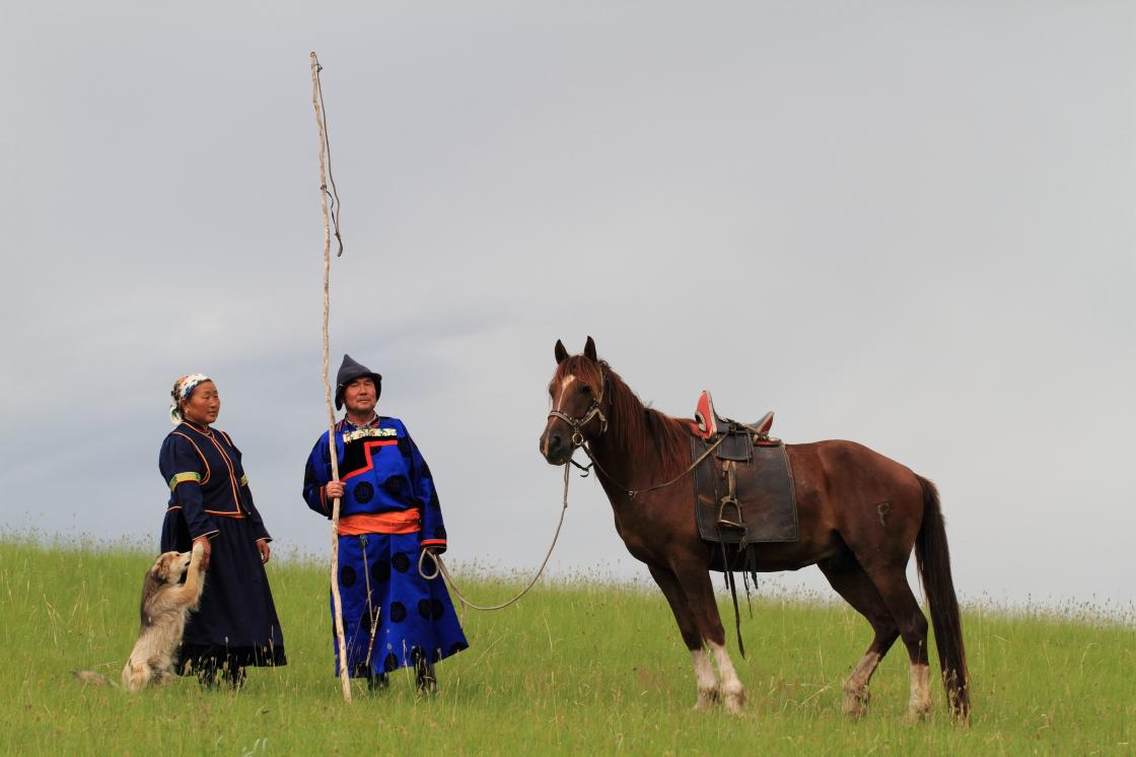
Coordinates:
(574,667)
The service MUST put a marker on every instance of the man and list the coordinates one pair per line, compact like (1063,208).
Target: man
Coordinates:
(389,513)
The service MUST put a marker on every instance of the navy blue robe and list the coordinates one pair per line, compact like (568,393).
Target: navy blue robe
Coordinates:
(236,624)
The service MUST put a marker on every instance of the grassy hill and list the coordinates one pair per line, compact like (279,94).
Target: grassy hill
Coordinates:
(574,667)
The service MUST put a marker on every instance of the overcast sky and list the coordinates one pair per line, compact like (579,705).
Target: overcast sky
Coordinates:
(907,224)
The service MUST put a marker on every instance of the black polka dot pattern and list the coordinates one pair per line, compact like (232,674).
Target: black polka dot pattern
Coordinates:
(404,447)
(346,576)
(401,562)
(390,662)
(363,492)
(381,571)
(397,612)
(395,486)
(424,608)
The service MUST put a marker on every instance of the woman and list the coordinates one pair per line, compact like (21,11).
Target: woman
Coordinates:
(211,504)
(393,617)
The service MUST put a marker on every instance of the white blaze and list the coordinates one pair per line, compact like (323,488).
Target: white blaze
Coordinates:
(567,382)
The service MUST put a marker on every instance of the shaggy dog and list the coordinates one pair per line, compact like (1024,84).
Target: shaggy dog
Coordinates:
(166,603)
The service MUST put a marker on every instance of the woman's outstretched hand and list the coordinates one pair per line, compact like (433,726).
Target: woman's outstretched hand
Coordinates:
(206,550)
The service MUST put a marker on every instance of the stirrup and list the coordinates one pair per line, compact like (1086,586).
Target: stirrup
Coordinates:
(723,521)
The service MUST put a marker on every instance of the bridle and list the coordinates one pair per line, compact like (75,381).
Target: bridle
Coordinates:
(594,410)
(578,442)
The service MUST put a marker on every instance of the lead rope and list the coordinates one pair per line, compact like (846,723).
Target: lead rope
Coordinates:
(441,570)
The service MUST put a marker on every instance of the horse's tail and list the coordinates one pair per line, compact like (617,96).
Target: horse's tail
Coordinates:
(934,561)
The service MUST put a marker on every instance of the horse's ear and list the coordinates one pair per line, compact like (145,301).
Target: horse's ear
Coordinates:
(561,353)
(590,350)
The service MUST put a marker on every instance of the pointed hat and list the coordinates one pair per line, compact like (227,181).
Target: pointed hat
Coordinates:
(350,370)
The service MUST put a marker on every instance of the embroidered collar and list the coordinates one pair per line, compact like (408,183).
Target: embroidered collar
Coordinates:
(373,423)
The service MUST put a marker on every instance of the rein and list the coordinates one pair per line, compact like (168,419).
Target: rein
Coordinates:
(440,568)
(633,493)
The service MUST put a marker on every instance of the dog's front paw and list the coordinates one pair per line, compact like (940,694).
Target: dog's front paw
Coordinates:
(198,550)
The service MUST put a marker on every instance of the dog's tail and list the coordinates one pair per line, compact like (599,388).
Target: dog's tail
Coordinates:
(91,678)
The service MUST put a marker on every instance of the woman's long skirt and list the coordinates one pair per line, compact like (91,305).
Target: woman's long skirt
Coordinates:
(403,618)
(236,624)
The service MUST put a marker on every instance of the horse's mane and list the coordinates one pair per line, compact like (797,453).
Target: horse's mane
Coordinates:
(643,432)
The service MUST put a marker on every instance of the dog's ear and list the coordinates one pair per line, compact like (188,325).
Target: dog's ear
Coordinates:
(163,566)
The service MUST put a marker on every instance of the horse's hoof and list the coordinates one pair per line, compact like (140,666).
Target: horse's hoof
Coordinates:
(917,714)
(735,701)
(706,699)
(856,703)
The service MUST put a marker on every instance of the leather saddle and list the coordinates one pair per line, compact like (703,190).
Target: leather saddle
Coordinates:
(708,424)
(744,493)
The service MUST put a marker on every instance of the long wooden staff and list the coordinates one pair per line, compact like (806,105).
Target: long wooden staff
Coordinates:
(337,603)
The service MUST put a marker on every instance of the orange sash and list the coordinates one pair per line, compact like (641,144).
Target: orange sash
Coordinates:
(393,522)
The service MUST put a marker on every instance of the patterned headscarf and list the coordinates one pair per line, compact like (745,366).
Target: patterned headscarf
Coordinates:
(184,387)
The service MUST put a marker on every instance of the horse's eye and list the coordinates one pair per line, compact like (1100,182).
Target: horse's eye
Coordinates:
(585,389)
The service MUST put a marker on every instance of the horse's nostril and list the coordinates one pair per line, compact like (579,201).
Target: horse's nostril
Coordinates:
(554,441)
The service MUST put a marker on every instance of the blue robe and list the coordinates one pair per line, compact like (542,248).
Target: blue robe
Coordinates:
(392,616)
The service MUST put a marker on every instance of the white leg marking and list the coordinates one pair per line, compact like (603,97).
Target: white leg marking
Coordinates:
(732,689)
(920,703)
(856,687)
(707,681)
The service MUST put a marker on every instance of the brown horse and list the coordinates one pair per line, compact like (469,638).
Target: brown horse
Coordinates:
(861,547)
